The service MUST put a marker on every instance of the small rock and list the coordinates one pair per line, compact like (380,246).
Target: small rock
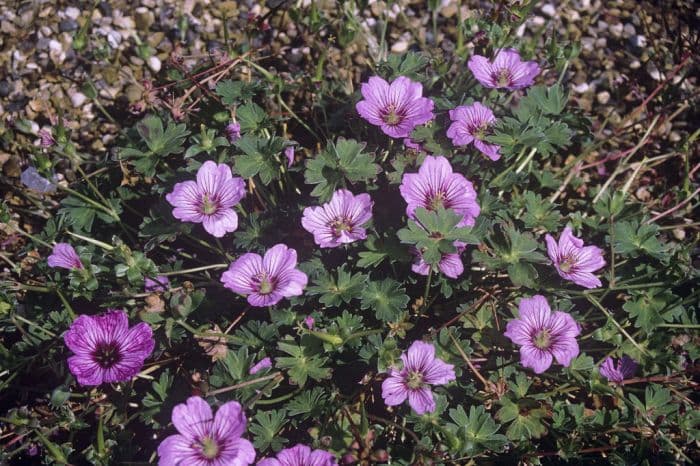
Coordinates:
(653,71)
(538,21)
(72,13)
(635,64)
(549,10)
(679,233)
(616,29)
(154,63)
(78,99)
(628,30)
(603,97)
(638,41)
(67,25)
(674,136)
(105,8)
(399,47)
(6,88)
(587,43)
(144,18)
(581,88)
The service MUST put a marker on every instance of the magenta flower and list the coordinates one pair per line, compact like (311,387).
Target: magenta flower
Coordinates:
(573,261)
(300,455)
(450,263)
(289,154)
(205,439)
(625,368)
(543,334)
(64,256)
(411,144)
(507,70)
(470,123)
(435,185)
(340,220)
(233,132)
(106,349)
(309,321)
(396,108)
(266,280)
(264,363)
(421,369)
(210,200)
(160,284)
(46,138)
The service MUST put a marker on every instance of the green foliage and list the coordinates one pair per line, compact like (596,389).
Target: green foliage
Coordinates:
(302,363)
(265,427)
(159,143)
(386,298)
(477,432)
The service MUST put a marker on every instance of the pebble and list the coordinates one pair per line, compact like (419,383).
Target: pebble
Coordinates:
(399,47)
(616,29)
(77,99)
(144,18)
(581,88)
(603,97)
(72,13)
(538,21)
(6,88)
(549,10)
(105,8)
(67,25)
(653,71)
(629,30)
(154,63)
(638,41)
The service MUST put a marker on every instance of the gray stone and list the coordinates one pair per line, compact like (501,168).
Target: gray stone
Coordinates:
(67,25)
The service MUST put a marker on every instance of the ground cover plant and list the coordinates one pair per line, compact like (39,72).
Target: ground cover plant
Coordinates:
(305,245)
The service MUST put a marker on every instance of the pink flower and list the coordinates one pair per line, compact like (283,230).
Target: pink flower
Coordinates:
(421,369)
(543,334)
(470,123)
(624,369)
(46,138)
(573,261)
(300,455)
(266,280)
(309,322)
(233,132)
(106,349)
(435,185)
(264,363)
(340,220)
(160,284)
(64,256)
(210,200)
(205,439)
(396,108)
(411,144)
(507,70)
(289,154)
(450,263)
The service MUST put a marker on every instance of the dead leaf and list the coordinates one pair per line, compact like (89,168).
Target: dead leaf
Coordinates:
(214,346)
(154,303)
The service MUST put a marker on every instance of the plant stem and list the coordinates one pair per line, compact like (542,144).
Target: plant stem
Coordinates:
(196,269)
(276,375)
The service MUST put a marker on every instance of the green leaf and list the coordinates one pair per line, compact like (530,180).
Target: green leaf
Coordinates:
(633,240)
(309,404)
(251,117)
(387,298)
(261,157)
(649,308)
(477,431)
(302,363)
(265,428)
(160,142)
(338,289)
(235,92)
(526,418)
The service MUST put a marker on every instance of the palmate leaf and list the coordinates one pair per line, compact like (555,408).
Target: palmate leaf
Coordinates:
(338,289)
(261,157)
(386,298)
(162,142)
(235,92)
(338,162)
(302,363)
(649,308)
(265,428)
(476,431)
(526,419)
(251,117)
(309,404)
(633,240)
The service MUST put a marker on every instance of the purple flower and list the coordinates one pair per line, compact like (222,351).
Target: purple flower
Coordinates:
(420,370)
(309,322)
(411,144)
(106,349)
(625,368)
(64,256)
(289,153)
(205,439)
(396,108)
(31,178)
(158,285)
(340,220)
(46,138)
(266,280)
(450,263)
(573,261)
(264,363)
(470,123)
(435,185)
(209,201)
(543,334)
(300,455)
(505,71)
(233,132)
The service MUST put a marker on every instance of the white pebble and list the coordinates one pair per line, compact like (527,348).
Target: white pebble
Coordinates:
(603,97)
(154,63)
(581,88)
(78,99)
(72,12)
(549,10)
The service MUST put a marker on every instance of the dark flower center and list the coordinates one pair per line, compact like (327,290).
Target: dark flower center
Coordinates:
(209,448)
(340,224)
(209,206)
(542,339)
(503,77)
(414,380)
(392,117)
(107,354)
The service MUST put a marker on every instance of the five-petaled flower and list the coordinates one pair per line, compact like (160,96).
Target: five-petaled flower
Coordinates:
(159,284)
(264,363)
(435,186)
(624,369)
(210,199)
(543,334)
(300,455)
(106,349)
(506,70)
(471,123)
(421,369)
(266,280)
(205,439)
(396,108)
(450,263)
(574,261)
(340,220)
(64,256)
